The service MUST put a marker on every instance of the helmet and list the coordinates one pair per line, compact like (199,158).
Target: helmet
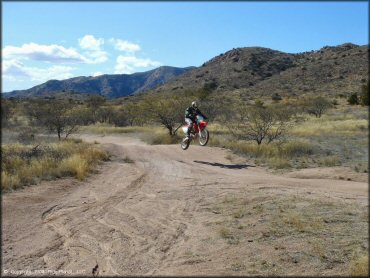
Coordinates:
(194,104)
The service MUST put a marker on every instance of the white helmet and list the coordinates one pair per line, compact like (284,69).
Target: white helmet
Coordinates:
(194,104)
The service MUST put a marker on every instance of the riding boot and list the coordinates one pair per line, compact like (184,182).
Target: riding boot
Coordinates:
(189,131)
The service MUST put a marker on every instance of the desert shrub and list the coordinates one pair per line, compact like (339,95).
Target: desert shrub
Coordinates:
(169,112)
(259,123)
(119,118)
(94,102)
(259,102)
(7,111)
(364,96)
(276,97)
(57,116)
(353,99)
(26,136)
(316,105)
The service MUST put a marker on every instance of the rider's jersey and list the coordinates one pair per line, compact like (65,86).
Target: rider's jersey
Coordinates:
(192,112)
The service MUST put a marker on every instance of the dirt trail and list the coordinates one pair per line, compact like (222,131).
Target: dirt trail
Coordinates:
(154,216)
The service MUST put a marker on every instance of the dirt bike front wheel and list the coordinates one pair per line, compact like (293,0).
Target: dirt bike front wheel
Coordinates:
(185,143)
(203,137)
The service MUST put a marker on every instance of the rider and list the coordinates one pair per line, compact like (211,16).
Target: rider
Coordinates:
(191,114)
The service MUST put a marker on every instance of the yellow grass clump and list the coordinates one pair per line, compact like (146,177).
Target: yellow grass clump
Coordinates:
(322,126)
(359,265)
(273,150)
(24,165)
(9,181)
(76,166)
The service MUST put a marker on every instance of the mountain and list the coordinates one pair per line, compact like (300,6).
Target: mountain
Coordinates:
(253,71)
(109,85)
(262,71)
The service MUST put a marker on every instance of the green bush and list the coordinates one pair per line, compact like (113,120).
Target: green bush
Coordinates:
(364,97)
(353,99)
(276,97)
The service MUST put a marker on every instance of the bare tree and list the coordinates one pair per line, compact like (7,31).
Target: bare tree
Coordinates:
(259,123)
(317,105)
(167,111)
(56,116)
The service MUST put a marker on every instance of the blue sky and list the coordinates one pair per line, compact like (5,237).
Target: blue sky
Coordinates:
(58,40)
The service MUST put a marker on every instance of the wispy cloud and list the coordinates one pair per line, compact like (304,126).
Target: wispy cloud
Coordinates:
(58,62)
(90,42)
(58,54)
(123,45)
(129,64)
(97,73)
(13,69)
(93,47)
(47,53)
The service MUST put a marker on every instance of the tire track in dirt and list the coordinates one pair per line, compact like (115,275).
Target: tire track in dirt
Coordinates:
(151,217)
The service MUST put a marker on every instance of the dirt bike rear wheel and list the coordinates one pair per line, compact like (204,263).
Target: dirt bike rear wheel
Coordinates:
(203,137)
(185,143)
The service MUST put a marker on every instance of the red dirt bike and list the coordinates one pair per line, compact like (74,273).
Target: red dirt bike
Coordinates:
(199,129)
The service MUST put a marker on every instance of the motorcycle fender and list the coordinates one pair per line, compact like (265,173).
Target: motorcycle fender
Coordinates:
(202,125)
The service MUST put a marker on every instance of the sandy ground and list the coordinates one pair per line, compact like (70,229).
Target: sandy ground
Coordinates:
(158,215)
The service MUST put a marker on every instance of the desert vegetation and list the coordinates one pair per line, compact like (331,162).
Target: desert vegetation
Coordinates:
(25,164)
(332,231)
(292,132)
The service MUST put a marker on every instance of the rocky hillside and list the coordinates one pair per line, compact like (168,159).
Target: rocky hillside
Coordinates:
(251,71)
(262,71)
(111,86)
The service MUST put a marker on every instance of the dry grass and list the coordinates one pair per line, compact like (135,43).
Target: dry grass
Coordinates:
(279,163)
(329,235)
(75,166)
(359,264)
(339,137)
(101,128)
(287,149)
(329,161)
(160,136)
(275,155)
(153,135)
(325,125)
(28,164)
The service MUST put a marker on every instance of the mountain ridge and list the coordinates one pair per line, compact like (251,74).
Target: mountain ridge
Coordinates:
(331,70)
(108,85)
(261,71)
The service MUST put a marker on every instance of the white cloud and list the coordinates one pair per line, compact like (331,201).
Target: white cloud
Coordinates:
(97,73)
(90,42)
(123,45)
(129,64)
(14,70)
(93,49)
(96,57)
(55,53)
(54,72)
(47,53)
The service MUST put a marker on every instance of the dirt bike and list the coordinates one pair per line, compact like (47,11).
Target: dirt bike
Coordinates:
(199,129)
